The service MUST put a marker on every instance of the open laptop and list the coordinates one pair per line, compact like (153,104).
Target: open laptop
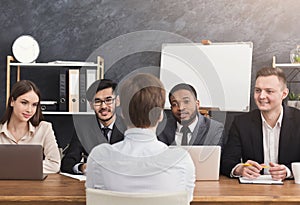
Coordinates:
(206,159)
(21,162)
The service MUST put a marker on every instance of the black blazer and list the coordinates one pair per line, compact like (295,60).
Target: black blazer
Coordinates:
(206,132)
(245,140)
(87,135)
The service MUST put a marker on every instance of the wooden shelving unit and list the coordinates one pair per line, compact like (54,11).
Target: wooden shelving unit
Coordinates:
(10,62)
(295,70)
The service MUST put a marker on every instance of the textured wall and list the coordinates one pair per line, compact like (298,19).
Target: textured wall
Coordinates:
(78,30)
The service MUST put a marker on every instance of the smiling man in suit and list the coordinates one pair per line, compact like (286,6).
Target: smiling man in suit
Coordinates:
(187,126)
(269,135)
(104,127)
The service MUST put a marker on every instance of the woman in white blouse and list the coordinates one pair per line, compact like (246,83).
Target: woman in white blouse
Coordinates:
(22,124)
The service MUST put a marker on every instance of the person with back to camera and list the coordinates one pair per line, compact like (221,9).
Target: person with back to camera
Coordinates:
(90,131)
(23,123)
(141,163)
(187,126)
(267,136)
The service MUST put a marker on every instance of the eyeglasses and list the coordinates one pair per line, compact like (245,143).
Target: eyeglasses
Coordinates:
(108,101)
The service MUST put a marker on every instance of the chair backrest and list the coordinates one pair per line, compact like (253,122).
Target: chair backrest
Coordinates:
(105,197)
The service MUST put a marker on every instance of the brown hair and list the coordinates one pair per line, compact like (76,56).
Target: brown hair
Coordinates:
(142,99)
(18,89)
(268,71)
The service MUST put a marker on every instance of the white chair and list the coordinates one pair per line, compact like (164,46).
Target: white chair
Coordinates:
(105,197)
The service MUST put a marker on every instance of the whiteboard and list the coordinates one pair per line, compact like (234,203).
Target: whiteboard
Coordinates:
(220,72)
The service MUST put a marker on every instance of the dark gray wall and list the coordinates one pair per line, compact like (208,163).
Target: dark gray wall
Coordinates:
(80,30)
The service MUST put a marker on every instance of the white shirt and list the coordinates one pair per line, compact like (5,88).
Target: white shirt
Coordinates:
(178,134)
(140,163)
(110,131)
(271,142)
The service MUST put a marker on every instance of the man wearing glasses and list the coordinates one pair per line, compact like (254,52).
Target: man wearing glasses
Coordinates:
(105,127)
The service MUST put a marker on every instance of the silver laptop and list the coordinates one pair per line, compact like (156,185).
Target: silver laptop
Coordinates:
(206,160)
(21,162)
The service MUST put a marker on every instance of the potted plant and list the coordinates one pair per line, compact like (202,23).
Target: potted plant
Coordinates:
(294,100)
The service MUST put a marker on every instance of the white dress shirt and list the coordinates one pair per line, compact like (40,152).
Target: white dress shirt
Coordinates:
(271,137)
(178,134)
(110,131)
(140,164)
(271,141)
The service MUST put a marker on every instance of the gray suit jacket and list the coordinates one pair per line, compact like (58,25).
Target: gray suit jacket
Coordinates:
(206,132)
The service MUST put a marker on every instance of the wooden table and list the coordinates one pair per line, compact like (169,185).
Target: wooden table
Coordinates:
(229,191)
(55,189)
(58,189)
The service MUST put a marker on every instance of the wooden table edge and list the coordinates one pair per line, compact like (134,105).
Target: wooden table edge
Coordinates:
(243,199)
(42,198)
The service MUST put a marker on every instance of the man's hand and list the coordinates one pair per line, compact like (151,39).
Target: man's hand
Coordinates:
(277,171)
(83,168)
(250,169)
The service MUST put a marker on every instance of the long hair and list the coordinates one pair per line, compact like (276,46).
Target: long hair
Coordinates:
(18,89)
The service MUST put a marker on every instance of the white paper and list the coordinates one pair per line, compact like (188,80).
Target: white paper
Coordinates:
(74,176)
(262,179)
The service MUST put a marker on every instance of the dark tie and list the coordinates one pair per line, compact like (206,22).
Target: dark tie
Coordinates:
(185,130)
(105,131)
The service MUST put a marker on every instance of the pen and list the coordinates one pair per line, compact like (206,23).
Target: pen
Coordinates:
(263,166)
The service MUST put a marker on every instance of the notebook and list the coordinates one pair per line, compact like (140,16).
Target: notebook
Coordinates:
(206,160)
(262,179)
(21,162)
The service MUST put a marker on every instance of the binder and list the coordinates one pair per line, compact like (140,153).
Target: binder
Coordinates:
(63,90)
(49,105)
(82,90)
(73,90)
(91,77)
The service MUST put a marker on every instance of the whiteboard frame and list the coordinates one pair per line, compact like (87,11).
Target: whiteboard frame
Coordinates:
(223,79)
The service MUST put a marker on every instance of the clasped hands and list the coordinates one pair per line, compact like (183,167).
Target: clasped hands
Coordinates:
(251,170)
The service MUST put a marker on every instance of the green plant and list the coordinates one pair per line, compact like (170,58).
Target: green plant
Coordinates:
(293,96)
(297,59)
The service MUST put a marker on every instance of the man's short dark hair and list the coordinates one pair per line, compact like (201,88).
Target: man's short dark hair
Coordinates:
(182,86)
(99,85)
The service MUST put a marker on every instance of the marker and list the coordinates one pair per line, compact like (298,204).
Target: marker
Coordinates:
(263,166)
